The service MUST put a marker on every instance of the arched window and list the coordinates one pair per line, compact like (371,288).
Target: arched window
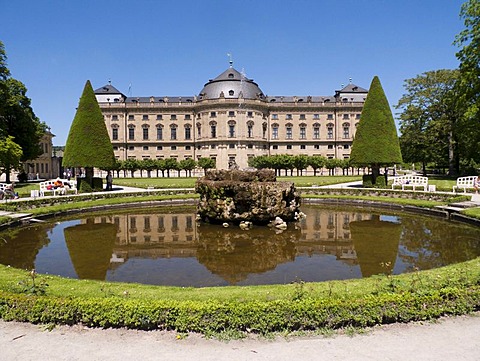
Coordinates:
(188,131)
(289,131)
(213,129)
(250,129)
(145,131)
(274,131)
(346,130)
(316,131)
(159,131)
(303,131)
(173,132)
(231,129)
(329,131)
(131,132)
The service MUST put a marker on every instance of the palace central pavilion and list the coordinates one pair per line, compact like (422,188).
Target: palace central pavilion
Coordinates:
(231,120)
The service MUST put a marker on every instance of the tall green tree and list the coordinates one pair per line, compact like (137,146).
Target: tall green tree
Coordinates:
(468,87)
(187,165)
(10,155)
(429,122)
(206,163)
(17,118)
(469,56)
(376,141)
(88,144)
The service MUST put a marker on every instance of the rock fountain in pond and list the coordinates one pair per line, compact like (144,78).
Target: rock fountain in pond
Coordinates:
(240,197)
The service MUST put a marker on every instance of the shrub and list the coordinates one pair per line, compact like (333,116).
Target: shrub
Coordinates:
(367,181)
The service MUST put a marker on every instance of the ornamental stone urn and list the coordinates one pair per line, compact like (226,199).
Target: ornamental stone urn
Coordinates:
(239,195)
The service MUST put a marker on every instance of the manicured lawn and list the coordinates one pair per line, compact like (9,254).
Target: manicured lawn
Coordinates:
(183,182)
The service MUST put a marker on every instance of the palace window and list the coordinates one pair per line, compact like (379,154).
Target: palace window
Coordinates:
(115,134)
(159,117)
(173,132)
(316,116)
(303,131)
(173,117)
(213,130)
(187,117)
(213,114)
(316,131)
(188,132)
(249,130)
(330,131)
(275,131)
(288,117)
(145,133)
(159,132)
(346,131)
(250,114)
(288,130)
(199,130)
(274,116)
(114,117)
(330,116)
(289,146)
(145,117)
(131,133)
(302,116)
(231,130)
(231,113)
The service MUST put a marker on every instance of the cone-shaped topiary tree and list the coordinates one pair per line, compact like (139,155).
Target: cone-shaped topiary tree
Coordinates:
(376,141)
(88,144)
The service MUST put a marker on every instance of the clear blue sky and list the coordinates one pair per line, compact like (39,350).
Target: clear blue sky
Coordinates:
(297,47)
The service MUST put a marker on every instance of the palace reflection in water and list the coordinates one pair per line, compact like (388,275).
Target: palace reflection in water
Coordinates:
(152,246)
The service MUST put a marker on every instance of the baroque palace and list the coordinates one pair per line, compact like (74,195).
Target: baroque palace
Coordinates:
(231,120)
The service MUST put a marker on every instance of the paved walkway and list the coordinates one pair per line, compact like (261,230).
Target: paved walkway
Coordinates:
(455,338)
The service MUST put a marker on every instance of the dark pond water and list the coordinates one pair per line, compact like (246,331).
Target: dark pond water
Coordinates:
(168,247)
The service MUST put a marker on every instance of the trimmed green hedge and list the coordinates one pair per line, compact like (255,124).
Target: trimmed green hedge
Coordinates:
(451,290)
(255,317)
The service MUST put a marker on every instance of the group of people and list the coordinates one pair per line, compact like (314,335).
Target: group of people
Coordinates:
(476,184)
(8,192)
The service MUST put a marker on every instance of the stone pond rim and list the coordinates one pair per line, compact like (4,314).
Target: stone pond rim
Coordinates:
(246,195)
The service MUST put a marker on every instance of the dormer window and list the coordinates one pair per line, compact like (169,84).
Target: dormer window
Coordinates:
(231,76)
(231,92)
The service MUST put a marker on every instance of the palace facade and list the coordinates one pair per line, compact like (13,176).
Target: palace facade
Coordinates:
(231,120)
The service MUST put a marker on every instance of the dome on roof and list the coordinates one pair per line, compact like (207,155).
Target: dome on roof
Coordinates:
(231,84)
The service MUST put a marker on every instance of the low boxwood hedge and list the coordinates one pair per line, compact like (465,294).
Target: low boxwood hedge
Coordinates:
(209,317)
(450,290)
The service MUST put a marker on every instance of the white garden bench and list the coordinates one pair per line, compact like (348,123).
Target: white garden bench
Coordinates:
(410,181)
(48,186)
(465,182)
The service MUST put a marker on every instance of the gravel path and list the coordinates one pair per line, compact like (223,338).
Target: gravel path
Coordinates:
(455,338)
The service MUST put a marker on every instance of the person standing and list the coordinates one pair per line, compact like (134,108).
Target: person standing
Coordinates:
(109,180)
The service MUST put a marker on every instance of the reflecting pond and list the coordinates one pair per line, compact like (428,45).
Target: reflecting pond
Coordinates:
(166,246)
